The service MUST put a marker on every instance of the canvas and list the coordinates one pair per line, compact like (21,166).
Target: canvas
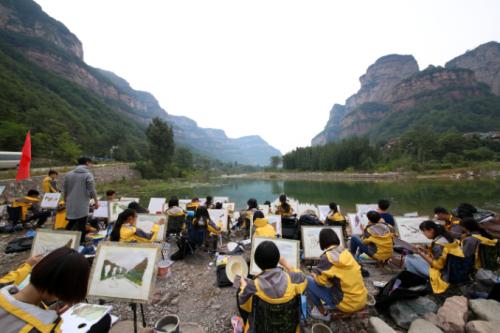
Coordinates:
(221,199)
(103,211)
(310,240)
(80,317)
(409,231)
(289,249)
(130,199)
(304,207)
(124,271)
(357,223)
(47,241)
(145,222)
(115,208)
(362,209)
(219,217)
(323,212)
(50,200)
(230,206)
(156,205)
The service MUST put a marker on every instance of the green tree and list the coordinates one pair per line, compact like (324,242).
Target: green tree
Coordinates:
(161,144)
(276,161)
(184,158)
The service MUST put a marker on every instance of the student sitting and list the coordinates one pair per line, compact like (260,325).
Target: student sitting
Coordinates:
(337,280)
(274,285)
(30,208)
(173,208)
(451,223)
(209,202)
(335,218)
(377,241)
(247,215)
(60,276)
(477,240)
(49,183)
(435,261)
(110,195)
(125,230)
(383,206)
(262,228)
(18,276)
(202,226)
(283,208)
(138,208)
(193,205)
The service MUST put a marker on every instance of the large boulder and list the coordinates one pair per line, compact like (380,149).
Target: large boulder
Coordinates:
(453,314)
(485,309)
(480,326)
(404,312)
(377,325)
(422,325)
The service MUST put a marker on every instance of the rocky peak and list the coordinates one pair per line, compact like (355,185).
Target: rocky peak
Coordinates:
(381,77)
(484,60)
(28,18)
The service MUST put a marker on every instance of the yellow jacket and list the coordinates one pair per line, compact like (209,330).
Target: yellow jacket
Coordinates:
(439,250)
(470,247)
(335,217)
(17,276)
(338,270)
(380,240)
(26,203)
(274,286)
(263,228)
(284,212)
(131,234)
(49,185)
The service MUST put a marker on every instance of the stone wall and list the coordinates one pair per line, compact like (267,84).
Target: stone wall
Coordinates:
(103,174)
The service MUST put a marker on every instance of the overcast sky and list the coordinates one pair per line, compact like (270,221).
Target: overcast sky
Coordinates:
(266,67)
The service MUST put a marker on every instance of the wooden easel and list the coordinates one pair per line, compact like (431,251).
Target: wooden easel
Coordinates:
(133,306)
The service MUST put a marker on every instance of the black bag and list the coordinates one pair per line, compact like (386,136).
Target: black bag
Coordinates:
(19,245)
(405,285)
(276,318)
(289,228)
(458,269)
(309,219)
(185,248)
(489,257)
(222,280)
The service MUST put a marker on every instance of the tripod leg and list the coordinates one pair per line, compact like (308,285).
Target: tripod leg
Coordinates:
(134,311)
(143,316)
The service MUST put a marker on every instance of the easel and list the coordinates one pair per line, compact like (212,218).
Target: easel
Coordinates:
(133,306)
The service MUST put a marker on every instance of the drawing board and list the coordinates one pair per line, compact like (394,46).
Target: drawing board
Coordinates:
(310,240)
(47,241)
(289,249)
(145,222)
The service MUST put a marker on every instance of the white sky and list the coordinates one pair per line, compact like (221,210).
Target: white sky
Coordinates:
(267,67)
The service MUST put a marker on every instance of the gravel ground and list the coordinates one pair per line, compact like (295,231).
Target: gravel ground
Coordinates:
(190,291)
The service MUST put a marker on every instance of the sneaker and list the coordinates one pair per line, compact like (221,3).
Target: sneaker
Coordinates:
(316,314)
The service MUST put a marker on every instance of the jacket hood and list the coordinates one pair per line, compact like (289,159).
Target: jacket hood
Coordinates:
(262,222)
(81,169)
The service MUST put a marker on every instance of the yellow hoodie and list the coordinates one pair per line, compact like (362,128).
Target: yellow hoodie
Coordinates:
(439,250)
(263,228)
(131,234)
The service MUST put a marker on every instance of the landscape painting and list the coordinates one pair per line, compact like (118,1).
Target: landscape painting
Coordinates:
(220,218)
(145,222)
(310,240)
(289,249)
(50,200)
(124,271)
(47,241)
(409,231)
(115,208)
(103,211)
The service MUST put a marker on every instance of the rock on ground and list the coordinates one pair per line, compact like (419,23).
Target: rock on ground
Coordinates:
(377,325)
(453,314)
(404,312)
(485,309)
(480,326)
(422,325)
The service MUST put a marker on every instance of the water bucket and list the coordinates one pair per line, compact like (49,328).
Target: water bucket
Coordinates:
(164,267)
(168,324)
(320,328)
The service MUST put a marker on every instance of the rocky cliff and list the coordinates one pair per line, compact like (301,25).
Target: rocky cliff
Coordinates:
(50,45)
(394,84)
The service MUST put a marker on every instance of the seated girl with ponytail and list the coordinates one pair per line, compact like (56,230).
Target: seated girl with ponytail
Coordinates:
(126,231)
(443,262)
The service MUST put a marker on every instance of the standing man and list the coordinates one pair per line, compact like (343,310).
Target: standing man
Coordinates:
(79,188)
(49,183)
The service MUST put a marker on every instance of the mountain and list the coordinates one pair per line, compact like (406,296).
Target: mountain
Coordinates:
(83,99)
(395,97)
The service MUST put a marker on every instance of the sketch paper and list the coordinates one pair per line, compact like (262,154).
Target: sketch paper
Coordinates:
(310,240)
(145,222)
(130,199)
(50,200)
(231,206)
(124,271)
(275,221)
(289,249)
(409,231)
(305,207)
(323,212)
(156,205)
(103,211)
(221,199)
(115,208)
(357,223)
(219,217)
(47,241)
(83,313)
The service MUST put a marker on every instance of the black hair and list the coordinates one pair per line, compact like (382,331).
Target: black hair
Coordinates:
(209,200)
(438,229)
(53,172)
(384,204)
(195,199)
(373,216)
(202,211)
(218,205)
(327,238)
(471,225)
(33,193)
(110,193)
(267,203)
(63,273)
(441,210)
(334,207)
(122,218)
(252,203)
(465,210)
(173,202)
(258,215)
(267,255)
(284,204)
(84,160)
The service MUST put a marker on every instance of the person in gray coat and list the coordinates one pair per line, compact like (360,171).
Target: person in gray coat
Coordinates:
(79,188)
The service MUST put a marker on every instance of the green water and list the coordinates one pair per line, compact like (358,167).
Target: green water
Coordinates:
(405,195)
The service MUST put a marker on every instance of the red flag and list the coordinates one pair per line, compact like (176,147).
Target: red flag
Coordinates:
(23,171)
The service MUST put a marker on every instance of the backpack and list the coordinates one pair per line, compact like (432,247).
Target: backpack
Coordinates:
(405,285)
(19,245)
(185,248)
(489,257)
(458,269)
(276,318)
(222,280)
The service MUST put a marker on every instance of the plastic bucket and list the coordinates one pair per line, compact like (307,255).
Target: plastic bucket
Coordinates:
(164,267)
(320,328)
(168,324)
